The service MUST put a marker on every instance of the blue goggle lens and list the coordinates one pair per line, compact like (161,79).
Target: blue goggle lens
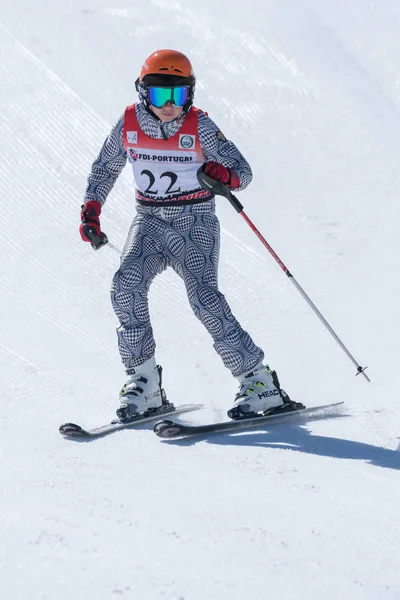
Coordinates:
(158,96)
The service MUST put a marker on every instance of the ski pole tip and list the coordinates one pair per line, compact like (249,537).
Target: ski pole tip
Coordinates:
(362,371)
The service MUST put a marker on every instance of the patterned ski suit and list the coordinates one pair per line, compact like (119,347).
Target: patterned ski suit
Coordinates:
(175,226)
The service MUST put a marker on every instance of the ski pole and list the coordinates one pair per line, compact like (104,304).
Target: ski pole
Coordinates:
(117,250)
(220,189)
(98,242)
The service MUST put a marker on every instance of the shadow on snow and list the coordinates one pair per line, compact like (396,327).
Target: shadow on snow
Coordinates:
(297,438)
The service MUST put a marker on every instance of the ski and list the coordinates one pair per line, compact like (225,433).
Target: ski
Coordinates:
(71,430)
(167,429)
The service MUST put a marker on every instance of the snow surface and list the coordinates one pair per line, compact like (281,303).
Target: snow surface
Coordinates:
(310,92)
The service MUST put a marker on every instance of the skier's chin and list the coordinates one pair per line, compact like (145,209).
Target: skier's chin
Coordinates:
(167,117)
(166,114)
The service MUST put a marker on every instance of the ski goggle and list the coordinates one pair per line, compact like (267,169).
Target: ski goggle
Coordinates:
(158,96)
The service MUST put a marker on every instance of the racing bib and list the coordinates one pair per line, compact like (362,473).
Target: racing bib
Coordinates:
(165,170)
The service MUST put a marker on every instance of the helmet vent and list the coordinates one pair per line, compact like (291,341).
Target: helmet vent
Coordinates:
(170,69)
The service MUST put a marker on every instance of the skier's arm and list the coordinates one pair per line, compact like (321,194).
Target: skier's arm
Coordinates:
(217,148)
(107,166)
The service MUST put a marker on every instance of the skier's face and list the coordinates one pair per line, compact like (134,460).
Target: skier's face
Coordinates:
(168,112)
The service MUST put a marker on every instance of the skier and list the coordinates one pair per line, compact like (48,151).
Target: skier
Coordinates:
(166,140)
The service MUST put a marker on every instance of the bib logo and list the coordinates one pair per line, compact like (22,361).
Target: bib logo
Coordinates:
(131,137)
(186,141)
(132,155)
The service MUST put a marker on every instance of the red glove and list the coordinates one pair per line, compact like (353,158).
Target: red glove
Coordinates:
(90,220)
(220,173)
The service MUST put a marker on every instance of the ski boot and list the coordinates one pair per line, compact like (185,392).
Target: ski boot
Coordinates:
(260,392)
(143,394)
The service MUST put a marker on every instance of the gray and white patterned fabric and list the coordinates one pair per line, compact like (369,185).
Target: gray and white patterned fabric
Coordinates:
(186,238)
(189,243)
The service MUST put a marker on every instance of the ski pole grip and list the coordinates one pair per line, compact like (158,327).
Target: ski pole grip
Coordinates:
(98,242)
(217,188)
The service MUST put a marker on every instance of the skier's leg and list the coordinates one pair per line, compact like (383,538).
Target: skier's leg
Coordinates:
(141,261)
(193,241)
(193,251)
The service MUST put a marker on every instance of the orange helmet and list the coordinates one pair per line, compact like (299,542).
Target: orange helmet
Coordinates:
(167,62)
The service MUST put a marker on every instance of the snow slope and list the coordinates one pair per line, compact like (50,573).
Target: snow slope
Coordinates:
(310,92)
